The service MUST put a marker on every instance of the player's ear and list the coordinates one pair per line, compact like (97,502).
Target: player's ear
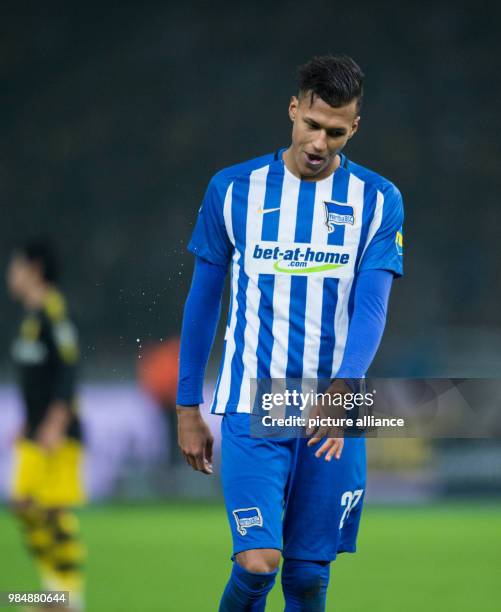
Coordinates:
(293,106)
(354,126)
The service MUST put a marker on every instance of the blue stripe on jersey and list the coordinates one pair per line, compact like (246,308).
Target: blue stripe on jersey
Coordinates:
(304,215)
(299,284)
(266,282)
(239,205)
(272,197)
(330,290)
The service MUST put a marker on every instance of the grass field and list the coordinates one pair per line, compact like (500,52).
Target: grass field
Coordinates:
(175,557)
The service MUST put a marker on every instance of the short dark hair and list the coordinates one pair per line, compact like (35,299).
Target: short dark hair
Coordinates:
(337,79)
(41,252)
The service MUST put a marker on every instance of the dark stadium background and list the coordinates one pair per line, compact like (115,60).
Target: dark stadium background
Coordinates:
(114,118)
(113,121)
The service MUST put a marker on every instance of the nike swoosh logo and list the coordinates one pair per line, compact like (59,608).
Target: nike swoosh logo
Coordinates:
(263,211)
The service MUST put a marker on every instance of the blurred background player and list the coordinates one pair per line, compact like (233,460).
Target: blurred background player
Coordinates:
(47,480)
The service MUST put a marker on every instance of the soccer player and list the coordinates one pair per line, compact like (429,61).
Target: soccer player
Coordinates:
(47,482)
(314,241)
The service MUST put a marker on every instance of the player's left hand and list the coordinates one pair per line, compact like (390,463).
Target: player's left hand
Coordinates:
(332,447)
(333,436)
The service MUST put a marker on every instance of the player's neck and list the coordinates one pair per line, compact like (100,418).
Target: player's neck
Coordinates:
(290,164)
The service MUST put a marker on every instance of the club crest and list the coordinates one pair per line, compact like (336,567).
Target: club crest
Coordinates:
(337,213)
(246,518)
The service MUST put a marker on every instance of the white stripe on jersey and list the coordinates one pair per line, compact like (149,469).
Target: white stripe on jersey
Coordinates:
(224,382)
(282,292)
(223,386)
(228,221)
(341,318)
(375,223)
(254,226)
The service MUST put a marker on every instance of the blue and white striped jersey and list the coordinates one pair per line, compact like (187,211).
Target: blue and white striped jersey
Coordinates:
(295,248)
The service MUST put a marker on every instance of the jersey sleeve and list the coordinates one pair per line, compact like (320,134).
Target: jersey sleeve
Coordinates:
(210,239)
(63,343)
(385,248)
(200,319)
(367,323)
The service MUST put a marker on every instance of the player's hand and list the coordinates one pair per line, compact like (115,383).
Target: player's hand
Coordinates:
(332,447)
(333,436)
(195,439)
(52,430)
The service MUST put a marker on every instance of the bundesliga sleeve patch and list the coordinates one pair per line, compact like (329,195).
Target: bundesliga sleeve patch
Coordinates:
(399,242)
(246,518)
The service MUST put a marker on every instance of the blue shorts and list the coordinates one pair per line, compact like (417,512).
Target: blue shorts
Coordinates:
(279,495)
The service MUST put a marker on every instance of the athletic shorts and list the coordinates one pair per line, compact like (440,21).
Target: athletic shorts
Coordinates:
(279,495)
(50,478)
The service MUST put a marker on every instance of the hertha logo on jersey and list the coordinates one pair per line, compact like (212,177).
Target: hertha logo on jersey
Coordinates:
(338,214)
(246,518)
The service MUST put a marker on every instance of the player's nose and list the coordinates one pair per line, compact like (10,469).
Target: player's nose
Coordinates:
(320,142)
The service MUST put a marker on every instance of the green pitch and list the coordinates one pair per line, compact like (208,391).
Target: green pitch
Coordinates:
(174,557)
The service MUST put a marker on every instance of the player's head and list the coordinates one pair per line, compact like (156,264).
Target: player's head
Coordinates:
(33,264)
(325,113)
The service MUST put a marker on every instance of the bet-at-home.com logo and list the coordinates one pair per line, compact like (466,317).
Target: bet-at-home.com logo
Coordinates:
(296,258)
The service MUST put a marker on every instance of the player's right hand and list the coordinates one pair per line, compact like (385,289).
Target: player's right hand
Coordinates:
(195,439)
